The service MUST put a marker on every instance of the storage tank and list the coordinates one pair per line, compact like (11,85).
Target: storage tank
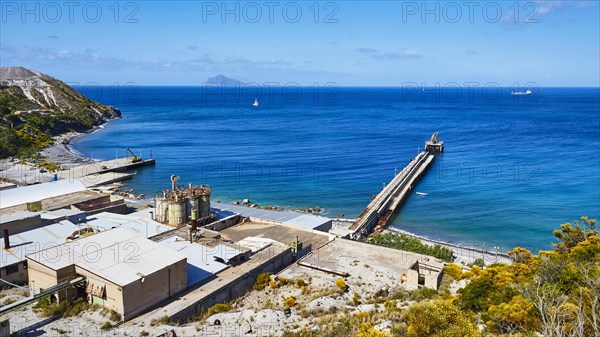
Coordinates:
(176,212)
(191,205)
(161,211)
(204,205)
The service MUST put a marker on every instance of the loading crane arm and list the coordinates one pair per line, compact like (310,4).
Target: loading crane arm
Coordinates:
(134,158)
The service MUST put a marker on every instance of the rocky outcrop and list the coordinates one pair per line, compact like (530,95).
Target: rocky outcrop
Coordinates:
(47,93)
(34,107)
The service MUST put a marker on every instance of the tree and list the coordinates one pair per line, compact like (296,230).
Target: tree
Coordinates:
(517,315)
(439,318)
(520,255)
(571,235)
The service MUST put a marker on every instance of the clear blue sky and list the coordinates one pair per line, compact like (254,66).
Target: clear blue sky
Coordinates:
(350,43)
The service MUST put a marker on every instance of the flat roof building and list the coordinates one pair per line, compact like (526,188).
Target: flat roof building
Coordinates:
(123,271)
(201,262)
(136,222)
(38,192)
(306,221)
(13,266)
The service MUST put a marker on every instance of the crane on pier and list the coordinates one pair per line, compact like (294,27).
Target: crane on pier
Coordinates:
(134,158)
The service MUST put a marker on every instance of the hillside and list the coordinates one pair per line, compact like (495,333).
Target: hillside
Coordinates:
(34,107)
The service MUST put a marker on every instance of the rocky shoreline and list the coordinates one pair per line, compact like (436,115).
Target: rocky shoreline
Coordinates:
(61,152)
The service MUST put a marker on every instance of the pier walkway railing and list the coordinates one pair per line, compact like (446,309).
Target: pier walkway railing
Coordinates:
(382,207)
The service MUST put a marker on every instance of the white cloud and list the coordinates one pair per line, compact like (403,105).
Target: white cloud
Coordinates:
(41,58)
(405,54)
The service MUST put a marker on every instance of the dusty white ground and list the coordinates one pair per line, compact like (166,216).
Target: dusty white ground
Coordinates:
(258,313)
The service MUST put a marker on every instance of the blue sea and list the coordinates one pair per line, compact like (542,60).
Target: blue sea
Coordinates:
(514,167)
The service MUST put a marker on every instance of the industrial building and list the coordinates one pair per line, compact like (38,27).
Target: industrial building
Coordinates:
(138,222)
(33,193)
(304,221)
(203,261)
(178,206)
(25,238)
(88,201)
(123,271)
(28,232)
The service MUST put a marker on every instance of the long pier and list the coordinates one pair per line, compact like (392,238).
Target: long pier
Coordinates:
(94,173)
(379,211)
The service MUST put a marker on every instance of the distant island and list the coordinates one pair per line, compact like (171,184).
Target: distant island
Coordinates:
(34,107)
(224,80)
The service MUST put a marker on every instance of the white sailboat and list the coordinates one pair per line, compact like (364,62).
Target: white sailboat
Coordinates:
(528,92)
(255,104)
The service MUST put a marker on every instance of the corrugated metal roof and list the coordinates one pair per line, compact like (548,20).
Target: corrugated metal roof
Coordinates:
(36,239)
(308,221)
(118,255)
(200,258)
(20,215)
(143,226)
(64,212)
(21,195)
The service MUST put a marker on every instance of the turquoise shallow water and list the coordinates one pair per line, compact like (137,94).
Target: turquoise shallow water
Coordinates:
(515,167)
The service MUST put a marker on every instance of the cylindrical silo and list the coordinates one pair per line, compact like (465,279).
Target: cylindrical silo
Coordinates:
(162,205)
(204,205)
(176,212)
(192,203)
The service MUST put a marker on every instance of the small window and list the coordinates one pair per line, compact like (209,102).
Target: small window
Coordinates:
(13,268)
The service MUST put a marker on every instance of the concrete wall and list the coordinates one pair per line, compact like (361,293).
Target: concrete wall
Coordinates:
(162,285)
(129,301)
(433,276)
(223,223)
(4,328)
(18,277)
(412,281)
(113,298)
(237,287)
(42,277)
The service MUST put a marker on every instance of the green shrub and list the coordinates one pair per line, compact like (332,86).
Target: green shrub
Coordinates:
(114,316)
(423,294)
(390,305)
(106,326)
(165,320)
(218,308)
(290,301)
(66,308)
(453,270)
(261,281)
(356,299)
(341,284)
(410,244)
